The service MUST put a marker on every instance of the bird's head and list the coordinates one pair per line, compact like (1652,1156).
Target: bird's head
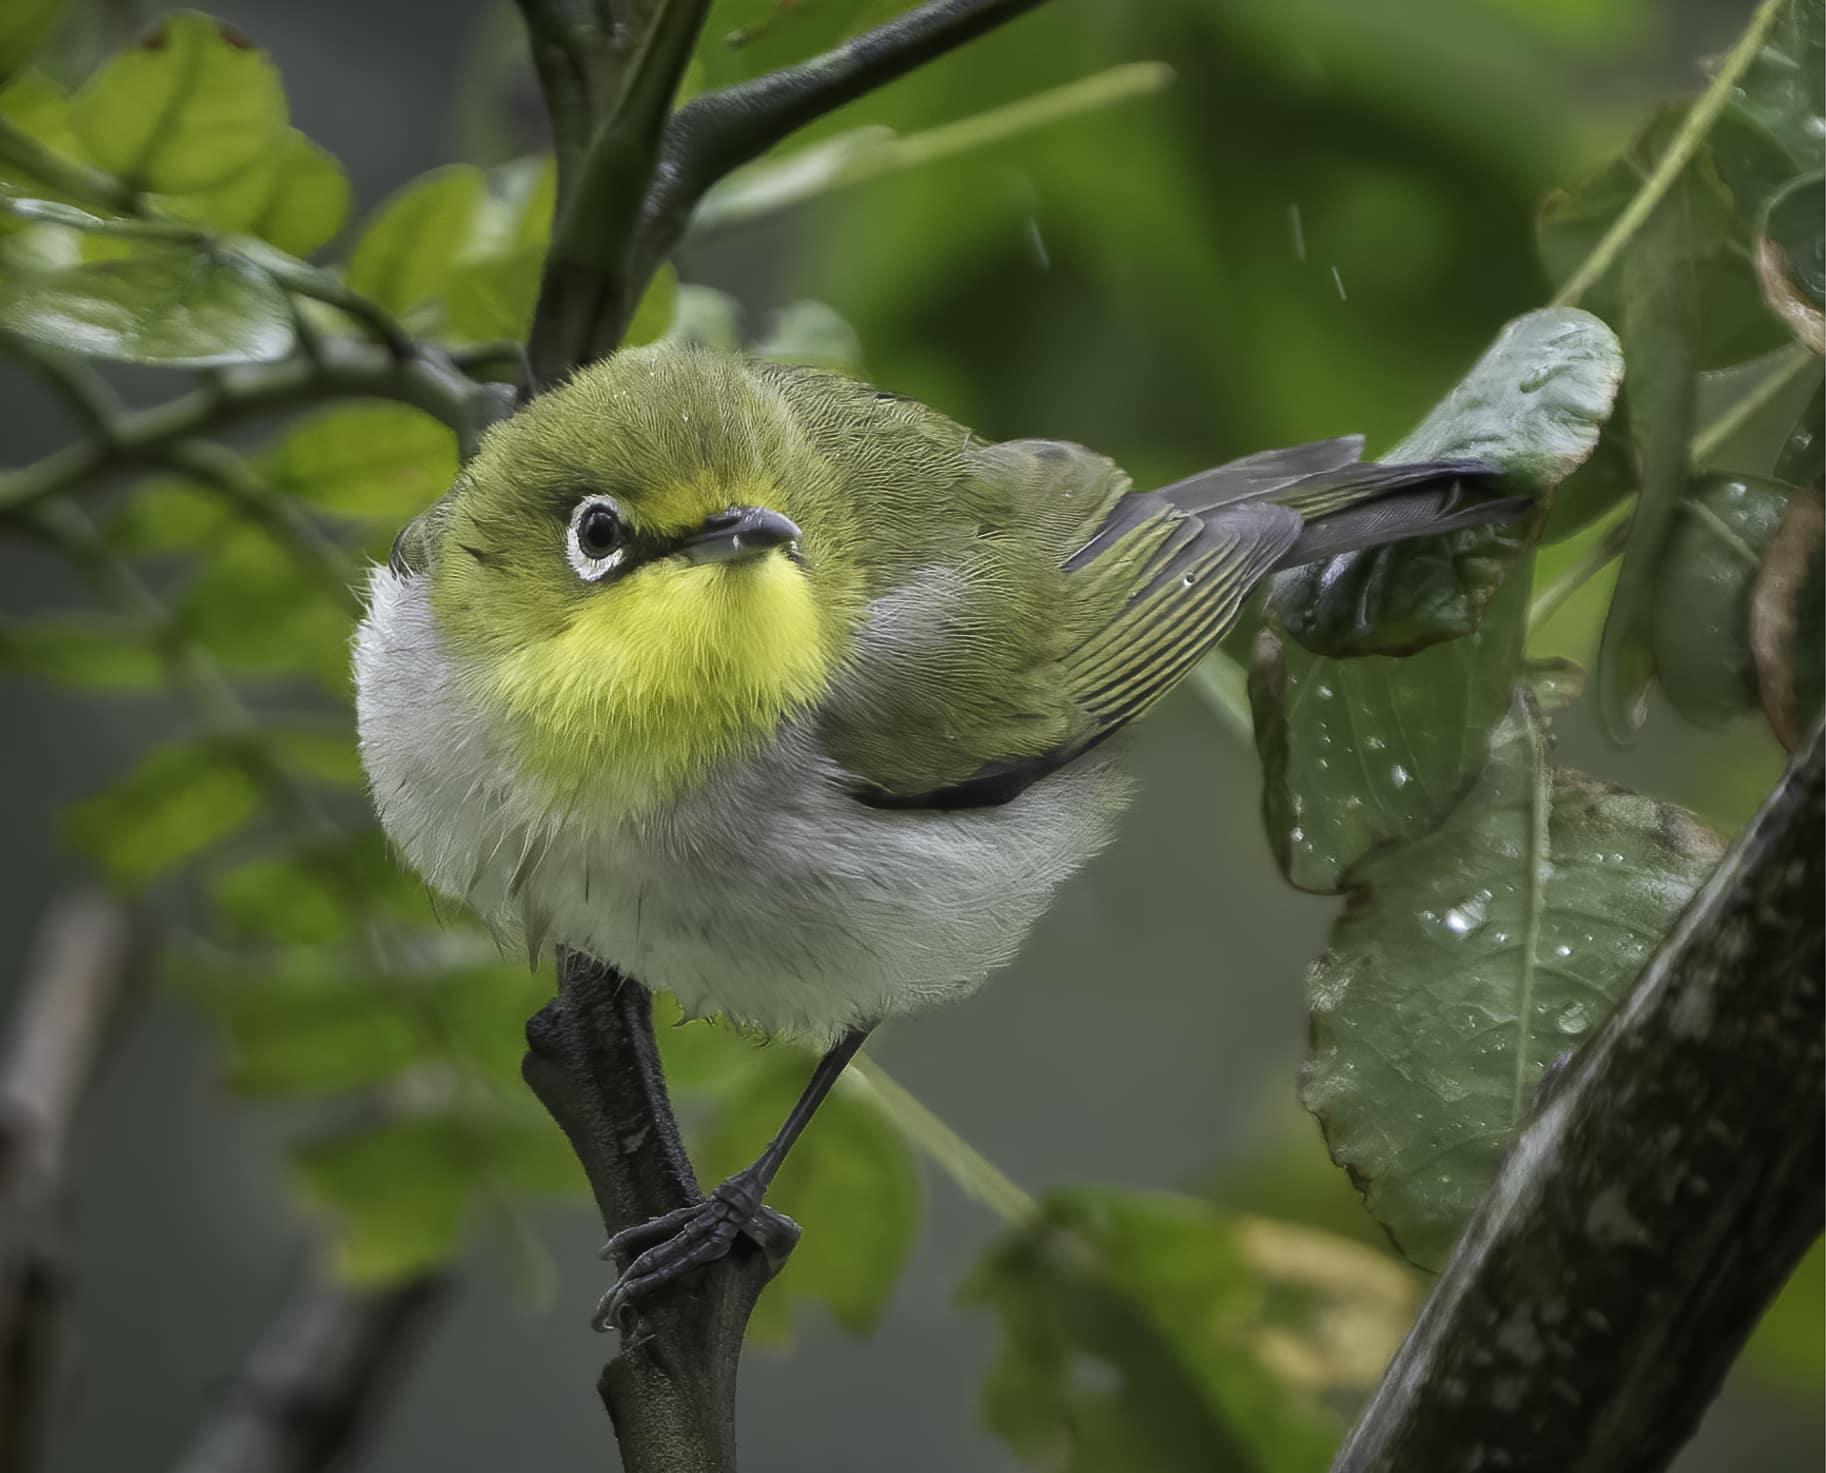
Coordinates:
(631,576)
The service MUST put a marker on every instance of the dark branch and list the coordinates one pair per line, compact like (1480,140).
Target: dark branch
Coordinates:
(72,995)
(313,1384)
(587,294)
(592,1061)
(626,203)
(720,131)
(1652,1209)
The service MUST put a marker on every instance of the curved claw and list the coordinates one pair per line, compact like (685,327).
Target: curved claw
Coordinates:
(666,1248)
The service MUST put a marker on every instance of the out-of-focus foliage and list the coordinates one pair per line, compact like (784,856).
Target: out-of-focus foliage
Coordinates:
(1312,231)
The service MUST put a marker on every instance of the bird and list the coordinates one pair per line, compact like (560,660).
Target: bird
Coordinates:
(795,698)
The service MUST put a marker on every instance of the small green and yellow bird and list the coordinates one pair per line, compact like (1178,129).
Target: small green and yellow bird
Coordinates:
(791,697)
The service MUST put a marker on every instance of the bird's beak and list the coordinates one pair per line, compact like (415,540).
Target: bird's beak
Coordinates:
(740,532)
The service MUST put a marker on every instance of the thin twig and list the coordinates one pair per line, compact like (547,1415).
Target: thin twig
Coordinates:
(72,995)
(315,1382)
(1680,151)
(1654,1206)
(239,394)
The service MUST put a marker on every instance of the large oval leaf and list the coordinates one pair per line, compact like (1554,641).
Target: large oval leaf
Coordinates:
(158,301)
(1468,960)
(418,237)
(1532,406)
(187,107)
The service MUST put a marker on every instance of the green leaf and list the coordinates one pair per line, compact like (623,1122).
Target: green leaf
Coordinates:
(494,297)
(260,611)
(1661,324)
(849,1181)
(307,1029)
(38,105)
(1783,91)
(320,895)
(1791,259)
(161,302)
(1363,752)
(1598,485)
(1136,1334)
(179,801)
(380,463)
(295,197)
(83,650)
(1532,407)
(1468,960)
(1705,223)
(23,26)
(413,244)
(707,318)
(1700,607)
(403,1192)
(185,108)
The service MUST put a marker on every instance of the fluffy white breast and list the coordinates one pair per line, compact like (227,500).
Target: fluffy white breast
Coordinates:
(768,894)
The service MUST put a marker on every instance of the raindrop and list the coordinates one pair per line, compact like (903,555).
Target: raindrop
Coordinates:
(1399,775)
(1573,1019)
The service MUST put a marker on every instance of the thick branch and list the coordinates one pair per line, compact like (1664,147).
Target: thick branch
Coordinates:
(1652,1209)
(631,197)
(72,993)
(587,294)
(592,1061)
(314,1383)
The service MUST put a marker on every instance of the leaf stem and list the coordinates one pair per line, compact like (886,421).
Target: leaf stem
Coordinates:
(1553,597)
(1790,363)
(1680,151)
(1224,685)
(854,158)
(345,369)
(979,1178)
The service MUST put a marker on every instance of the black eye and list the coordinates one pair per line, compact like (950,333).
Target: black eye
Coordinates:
(598,530)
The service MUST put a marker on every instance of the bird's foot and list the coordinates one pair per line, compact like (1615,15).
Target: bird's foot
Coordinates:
(662,1250)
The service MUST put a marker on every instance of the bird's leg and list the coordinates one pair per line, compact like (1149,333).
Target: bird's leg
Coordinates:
(660,1251)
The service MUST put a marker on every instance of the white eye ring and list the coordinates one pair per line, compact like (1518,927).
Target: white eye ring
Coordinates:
(584,565)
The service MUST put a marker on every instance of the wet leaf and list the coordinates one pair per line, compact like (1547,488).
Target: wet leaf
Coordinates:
(176,803)
(1706,223)
(1791,259)
(1802,461)
(1358,753)
(412,245)
(1701,600)
(1468,960)
(1139,1330)
(186,107)
(849,1182)
(160,302)
(84,650)
(1787,642)
(1532,406)
(1783,91)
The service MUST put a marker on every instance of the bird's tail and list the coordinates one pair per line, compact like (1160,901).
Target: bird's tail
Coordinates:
(1348,504)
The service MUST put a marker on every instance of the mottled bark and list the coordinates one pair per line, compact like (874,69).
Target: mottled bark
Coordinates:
(1654,1205)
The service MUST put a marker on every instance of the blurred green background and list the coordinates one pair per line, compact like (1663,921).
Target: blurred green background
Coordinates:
(1312,231)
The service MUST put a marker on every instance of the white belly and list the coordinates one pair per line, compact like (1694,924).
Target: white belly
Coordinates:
(770,894)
